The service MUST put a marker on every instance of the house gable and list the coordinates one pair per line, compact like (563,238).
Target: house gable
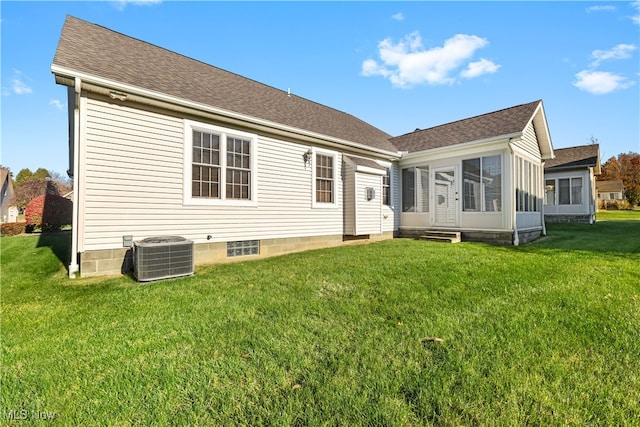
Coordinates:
(507,123)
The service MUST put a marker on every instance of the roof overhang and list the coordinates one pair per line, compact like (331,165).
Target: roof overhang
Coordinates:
(125,92)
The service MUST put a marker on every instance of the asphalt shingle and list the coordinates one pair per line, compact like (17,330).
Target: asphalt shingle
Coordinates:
(98,51)
(503,122)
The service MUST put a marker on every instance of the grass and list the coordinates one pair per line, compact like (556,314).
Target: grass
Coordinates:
(400,332)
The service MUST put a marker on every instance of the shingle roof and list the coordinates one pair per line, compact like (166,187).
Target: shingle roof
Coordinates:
(609,186)
(98,51)
(503,122)
(582,155)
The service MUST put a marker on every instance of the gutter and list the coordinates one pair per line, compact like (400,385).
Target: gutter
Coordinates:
(125,92)
(73,266)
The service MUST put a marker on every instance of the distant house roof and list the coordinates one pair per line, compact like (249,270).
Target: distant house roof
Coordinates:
(571,157)
(98,53)
(4,174)
(508,121)
(609,186)
(6,186)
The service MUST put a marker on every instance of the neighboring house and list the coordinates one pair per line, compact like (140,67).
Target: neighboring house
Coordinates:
(481,176)
(5,197)
(610,191)
(244,169)
(570,184)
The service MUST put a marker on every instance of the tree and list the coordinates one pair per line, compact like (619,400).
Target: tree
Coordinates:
(32,188)
(626,168)
(22,176)
(48,212)
(41,173)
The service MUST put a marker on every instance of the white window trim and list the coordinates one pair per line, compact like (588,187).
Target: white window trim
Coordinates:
(189,127)
(334,154)
(387,165)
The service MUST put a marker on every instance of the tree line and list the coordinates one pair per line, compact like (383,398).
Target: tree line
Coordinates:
(626,168)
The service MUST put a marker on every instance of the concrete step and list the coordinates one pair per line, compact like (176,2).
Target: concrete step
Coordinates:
(442,236)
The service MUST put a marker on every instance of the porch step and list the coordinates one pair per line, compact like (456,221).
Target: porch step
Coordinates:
(442,236)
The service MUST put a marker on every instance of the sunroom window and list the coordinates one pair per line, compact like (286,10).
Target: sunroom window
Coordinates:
(482,189)
(415,189)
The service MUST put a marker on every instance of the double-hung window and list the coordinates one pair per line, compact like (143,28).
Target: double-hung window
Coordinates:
(386,187)
(220,165)
(325,169)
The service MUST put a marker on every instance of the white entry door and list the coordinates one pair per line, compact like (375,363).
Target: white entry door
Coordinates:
(445,197)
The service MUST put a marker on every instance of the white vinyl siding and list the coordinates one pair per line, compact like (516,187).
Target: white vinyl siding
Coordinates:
(133,184)
(368,212)
(529,141)
(349,200)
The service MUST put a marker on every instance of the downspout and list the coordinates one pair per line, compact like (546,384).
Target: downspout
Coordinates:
(73,266)
(514,214)
(544,224)
(592,196)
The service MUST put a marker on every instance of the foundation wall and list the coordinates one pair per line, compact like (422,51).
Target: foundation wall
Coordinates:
(120,261)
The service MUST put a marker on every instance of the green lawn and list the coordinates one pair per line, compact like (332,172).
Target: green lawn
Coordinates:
(400,332)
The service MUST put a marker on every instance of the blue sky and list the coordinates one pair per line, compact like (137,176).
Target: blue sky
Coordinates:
(396,65)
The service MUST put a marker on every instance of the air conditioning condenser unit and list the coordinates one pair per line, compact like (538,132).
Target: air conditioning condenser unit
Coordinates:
(162,257)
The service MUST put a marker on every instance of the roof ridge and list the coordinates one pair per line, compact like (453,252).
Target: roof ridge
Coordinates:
(577,146)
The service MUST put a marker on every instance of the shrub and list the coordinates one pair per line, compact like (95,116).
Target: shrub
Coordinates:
(609,205)
(13,228)
(48,212)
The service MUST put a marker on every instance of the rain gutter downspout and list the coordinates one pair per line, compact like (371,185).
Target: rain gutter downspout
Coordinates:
(516,239)
(544,225)
(73,266)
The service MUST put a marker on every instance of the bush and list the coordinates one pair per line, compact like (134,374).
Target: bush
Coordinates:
(48,213)
(613,205)
(13,228)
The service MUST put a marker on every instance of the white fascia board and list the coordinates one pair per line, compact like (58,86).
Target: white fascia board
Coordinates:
(539,120)
(457,148)
(371,171)
(169,99)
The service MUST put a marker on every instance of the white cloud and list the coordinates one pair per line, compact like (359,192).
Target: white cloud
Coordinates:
(601,8)
(398,16)
(407,62)
(56,103)
(601,82)
(122,4)
(19,87)
(478,68)
(621,51)
(636,18)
